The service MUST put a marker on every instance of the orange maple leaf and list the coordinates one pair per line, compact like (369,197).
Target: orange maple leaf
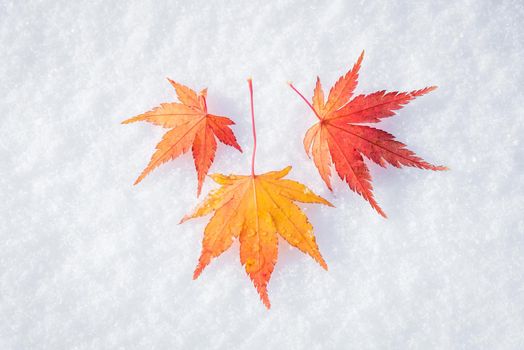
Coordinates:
(191,127)
(340,139)
(253,208)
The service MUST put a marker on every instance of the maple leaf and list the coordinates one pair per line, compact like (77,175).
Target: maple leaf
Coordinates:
(340,139)
(192,127)
(253,208)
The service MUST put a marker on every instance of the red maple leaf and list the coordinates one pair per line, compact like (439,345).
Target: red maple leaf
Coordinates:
(339,137)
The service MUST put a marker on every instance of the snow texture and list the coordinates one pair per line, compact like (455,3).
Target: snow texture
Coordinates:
(88,261)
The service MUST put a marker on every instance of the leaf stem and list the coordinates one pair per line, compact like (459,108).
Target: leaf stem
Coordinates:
(305,100)
(250,83)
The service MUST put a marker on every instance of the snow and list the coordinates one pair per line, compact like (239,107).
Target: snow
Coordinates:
(88,261)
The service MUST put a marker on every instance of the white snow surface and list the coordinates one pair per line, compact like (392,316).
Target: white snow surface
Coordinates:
(88,261)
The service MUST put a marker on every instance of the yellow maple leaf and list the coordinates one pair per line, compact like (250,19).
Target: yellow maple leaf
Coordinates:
(254,208)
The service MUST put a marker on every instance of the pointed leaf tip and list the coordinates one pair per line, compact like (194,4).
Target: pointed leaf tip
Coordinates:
(197,272)
(184,219)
